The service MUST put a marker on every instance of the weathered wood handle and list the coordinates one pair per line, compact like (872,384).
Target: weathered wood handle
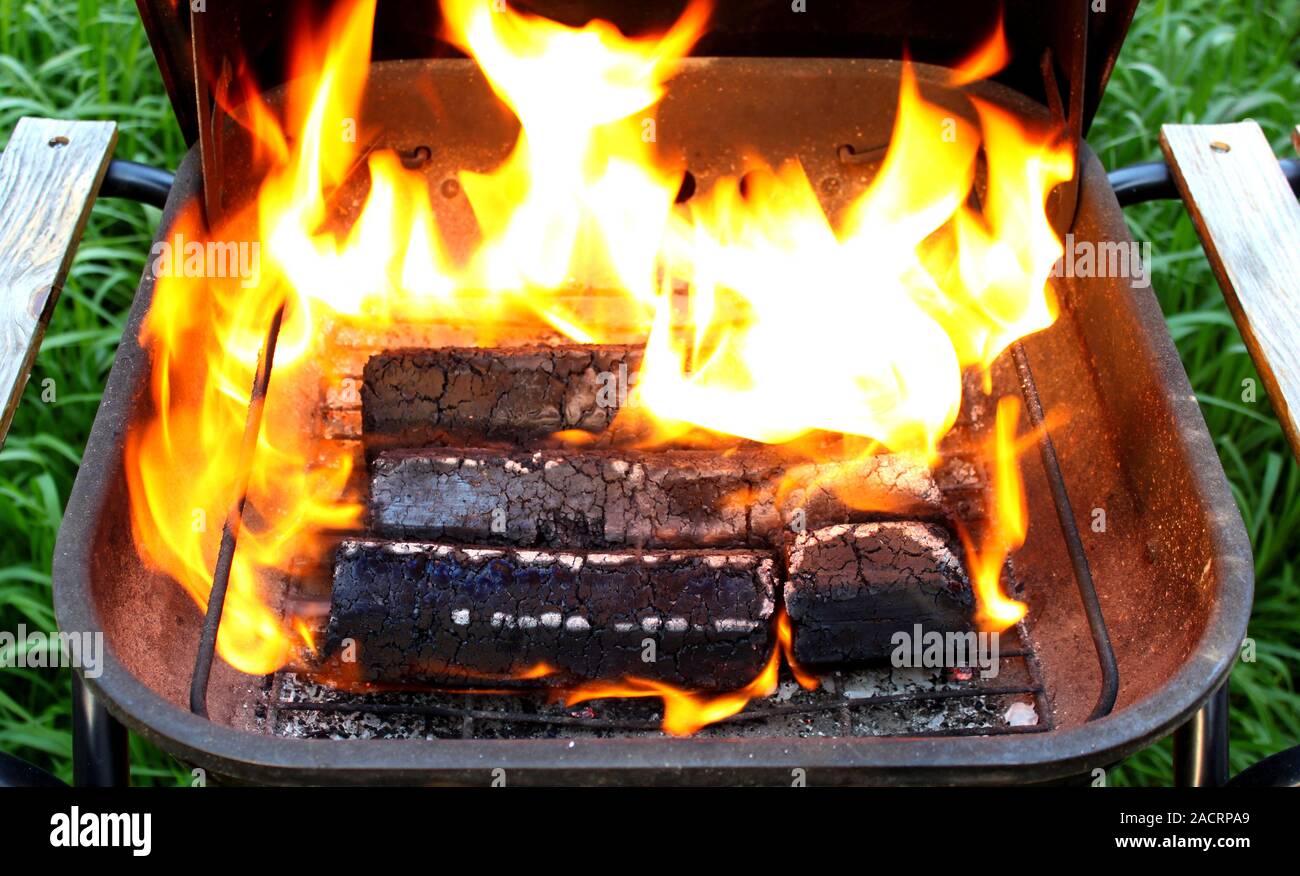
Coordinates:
(49,175)
(1249,224)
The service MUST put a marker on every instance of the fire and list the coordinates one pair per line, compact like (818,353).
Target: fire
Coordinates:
(684,711)
(1006,527)
(785,640)
(854,353)
(988,58)
(864,330)
(582,195)
(181,465)
(794,323)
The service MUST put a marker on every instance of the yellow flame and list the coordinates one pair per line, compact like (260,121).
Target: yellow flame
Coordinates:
(763,317)
(785,639)
(1006,528)
(863,330)
(987,58)
(685,711)
(583,194)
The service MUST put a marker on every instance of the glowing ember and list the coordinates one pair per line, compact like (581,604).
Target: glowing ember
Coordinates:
(794,324)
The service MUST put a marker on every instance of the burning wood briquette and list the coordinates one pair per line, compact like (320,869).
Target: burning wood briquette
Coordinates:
(850,588)
(672,498)
(412,397)
(701,619)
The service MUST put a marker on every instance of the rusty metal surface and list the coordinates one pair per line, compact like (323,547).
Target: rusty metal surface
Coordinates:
(934,31)
(199,52)
(834,115)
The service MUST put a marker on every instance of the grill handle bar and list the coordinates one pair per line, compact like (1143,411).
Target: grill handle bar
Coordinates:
(234,519)
(1073,542)
(1153,181)
(137,182)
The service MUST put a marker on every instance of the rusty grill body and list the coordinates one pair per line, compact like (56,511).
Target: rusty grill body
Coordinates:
(1172,571)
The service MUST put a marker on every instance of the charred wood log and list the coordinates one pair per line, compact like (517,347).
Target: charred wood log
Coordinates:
(673,498)
(850,588)
(410,394)
(412,397)
(700,619)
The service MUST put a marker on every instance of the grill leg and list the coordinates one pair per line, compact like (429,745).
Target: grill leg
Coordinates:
(100,756)
(1201,745)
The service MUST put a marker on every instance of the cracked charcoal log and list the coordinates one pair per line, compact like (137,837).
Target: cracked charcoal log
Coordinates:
(852,587)
(426,611)
(589,498)
(412,395)
(423,396)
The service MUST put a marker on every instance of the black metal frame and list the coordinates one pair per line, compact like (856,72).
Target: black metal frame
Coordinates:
(18,773)
(137,182)
(1153,181)
(1201,745)
(101,756)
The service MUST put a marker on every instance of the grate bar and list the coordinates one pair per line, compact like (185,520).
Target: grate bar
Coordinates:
(234,520)
(1083,575)
(1073,542)
(748,716)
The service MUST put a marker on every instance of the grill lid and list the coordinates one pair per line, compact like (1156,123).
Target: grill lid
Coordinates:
(199,42)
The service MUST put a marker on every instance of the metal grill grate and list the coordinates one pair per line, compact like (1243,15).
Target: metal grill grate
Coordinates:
(866,702)
(883,701)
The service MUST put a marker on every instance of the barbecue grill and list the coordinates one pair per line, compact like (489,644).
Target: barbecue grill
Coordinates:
(1130,630)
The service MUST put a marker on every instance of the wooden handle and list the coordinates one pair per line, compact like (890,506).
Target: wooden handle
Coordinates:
(49,175)
(1249,224)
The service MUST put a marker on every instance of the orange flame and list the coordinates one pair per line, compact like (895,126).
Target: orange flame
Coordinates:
(987,59)
(866,329)
(205,329)
(785,638)
(793,324)
(685,711)
(583,195)
(1006,527)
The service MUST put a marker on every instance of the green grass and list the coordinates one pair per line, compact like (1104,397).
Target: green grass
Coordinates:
(78,60)
(1204,62)
(1187,61)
